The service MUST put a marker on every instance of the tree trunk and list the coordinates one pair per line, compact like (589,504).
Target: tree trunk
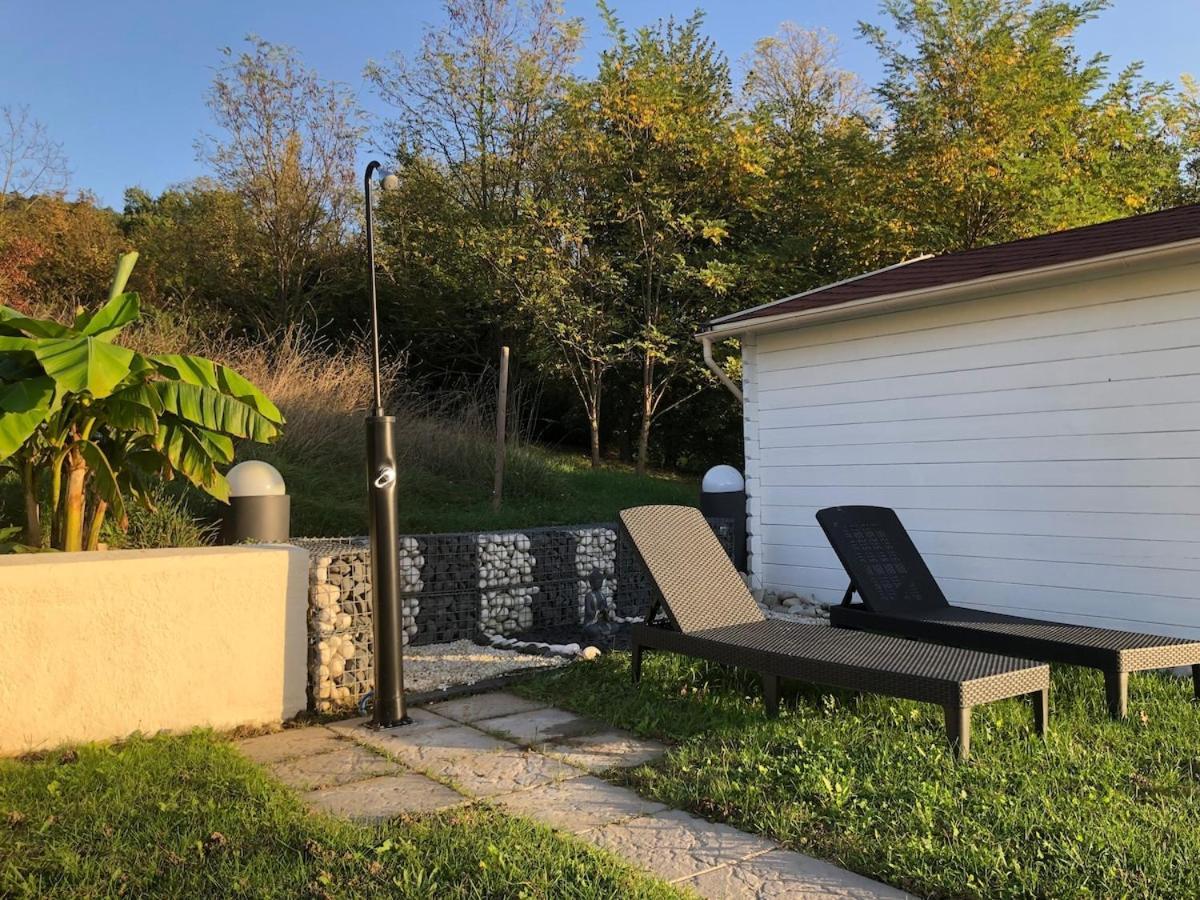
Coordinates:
(647,414)
(93,538)
(72,536)
(594,422)
(33,512)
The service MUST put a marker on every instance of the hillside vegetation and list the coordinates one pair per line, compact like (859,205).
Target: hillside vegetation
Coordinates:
(446,452)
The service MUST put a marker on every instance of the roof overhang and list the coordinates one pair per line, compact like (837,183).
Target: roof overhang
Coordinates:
(992,285)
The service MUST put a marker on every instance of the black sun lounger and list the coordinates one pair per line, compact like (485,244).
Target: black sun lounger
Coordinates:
(711,615)
(900,596)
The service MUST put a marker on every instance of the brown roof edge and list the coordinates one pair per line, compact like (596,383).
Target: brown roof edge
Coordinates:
(1169,226)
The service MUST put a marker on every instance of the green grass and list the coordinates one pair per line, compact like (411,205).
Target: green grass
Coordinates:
(186,816)
(550,489)
(1101,809)
(329,498)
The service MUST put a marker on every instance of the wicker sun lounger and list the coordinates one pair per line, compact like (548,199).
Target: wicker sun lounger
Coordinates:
(710,614)
(901,597)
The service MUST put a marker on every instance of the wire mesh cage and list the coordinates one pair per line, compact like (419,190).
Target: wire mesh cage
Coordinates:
(456,586)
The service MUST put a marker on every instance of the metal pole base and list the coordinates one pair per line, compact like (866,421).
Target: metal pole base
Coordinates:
(380,726)
(386,612)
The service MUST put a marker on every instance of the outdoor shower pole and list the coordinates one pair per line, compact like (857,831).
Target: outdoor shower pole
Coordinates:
(382,511)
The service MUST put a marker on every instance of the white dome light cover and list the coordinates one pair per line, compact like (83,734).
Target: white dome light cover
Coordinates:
(255,478)
(722,480)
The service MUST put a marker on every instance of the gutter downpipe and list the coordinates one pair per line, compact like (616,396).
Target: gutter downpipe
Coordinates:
(715,366)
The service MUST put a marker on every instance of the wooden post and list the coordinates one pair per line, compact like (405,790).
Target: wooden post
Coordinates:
(501,429)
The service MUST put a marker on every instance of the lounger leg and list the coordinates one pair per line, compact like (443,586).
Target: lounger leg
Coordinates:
(958,730)
(636,663)
(1196,681)
(771,694)
(1041,711)
(1116,688)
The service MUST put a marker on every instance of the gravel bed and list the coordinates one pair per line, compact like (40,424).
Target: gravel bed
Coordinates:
(436,667)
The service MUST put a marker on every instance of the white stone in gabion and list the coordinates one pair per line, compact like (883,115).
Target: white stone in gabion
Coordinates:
(505,574)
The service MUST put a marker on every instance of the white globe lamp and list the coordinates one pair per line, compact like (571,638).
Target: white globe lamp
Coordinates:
(723,496)
(722,480)
(255,478)
(260,510)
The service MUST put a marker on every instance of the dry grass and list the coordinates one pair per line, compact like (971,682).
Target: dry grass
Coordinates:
(324,387)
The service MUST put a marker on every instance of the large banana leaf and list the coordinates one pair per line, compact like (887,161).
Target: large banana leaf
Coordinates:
(219,445)
(16,344)
(84,364)
(24,405)
(190,457)
(103,478)
(12,322)
(136,408)
(210,409)
(110,318)
(205,373)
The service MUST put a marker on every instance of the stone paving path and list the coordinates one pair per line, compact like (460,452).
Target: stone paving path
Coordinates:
(539,762)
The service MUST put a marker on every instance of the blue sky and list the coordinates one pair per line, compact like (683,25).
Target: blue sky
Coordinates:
(121,83)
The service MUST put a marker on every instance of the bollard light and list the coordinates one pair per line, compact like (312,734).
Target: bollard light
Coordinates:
(259,507)
(723,496)
(722,480)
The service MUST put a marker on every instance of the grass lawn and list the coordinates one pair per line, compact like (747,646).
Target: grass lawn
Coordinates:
(187,816)
(329,497)
(329,500)
(1102,809)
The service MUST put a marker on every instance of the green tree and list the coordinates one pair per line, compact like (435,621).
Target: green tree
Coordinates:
(573,294)
(824,209)
(999,130)
(201,252)
(470,128)
(658,130)
(287,146)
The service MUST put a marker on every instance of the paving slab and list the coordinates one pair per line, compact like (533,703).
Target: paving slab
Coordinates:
(422,720)
(386,797)
(605,750)
(674,845)
(288,744)
(578,804)
(424,749)
(484,706)
(351,762)
(489,774)
(784,874)
(540,726)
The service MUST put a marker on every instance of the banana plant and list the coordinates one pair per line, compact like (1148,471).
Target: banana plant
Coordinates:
(89,425)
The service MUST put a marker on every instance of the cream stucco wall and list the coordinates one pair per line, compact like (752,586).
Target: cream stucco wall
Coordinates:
(95,646)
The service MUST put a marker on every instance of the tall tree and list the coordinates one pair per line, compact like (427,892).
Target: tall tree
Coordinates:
(287,146)
(824,209)
(1000,130)
(471,118)
(660,133)
(576,306)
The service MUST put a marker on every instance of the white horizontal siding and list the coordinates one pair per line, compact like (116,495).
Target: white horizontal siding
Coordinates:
(750,430)
(1042,447)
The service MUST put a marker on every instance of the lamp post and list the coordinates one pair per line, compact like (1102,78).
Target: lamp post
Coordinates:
(382,509)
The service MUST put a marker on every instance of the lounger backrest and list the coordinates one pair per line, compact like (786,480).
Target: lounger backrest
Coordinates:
(698,584)
(881,560)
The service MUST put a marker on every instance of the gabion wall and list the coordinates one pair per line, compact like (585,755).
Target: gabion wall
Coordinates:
(454,586)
